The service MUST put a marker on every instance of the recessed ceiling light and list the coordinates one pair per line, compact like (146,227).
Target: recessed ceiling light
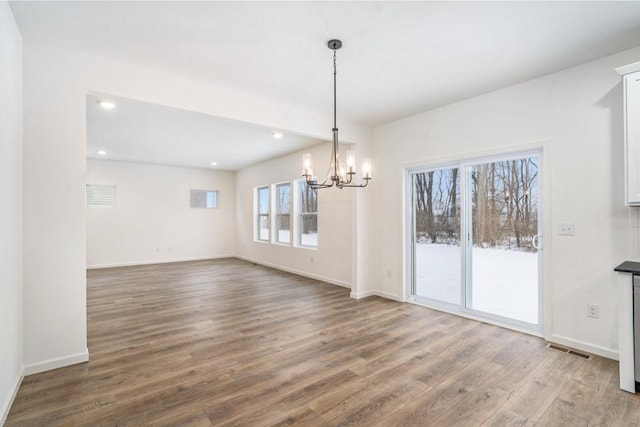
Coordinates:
(107,105)
(214,164)
(277,135)
(102,152)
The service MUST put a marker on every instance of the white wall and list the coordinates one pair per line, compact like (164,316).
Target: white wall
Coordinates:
(578,112)
(152,221)
(332,260)
(10,209)
(56,82)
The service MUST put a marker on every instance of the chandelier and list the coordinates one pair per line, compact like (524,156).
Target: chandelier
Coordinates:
(339,175)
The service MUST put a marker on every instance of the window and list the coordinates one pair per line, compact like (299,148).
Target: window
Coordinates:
(100,196)
(204,199)
(308,215)
(263,213)
(283,213)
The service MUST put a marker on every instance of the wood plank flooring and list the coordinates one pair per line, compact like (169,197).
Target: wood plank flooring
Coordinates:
(229,343)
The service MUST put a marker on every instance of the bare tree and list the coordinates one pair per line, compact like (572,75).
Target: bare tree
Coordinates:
(308,209)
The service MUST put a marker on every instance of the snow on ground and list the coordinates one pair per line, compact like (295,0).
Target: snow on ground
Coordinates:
(310,239)
(505,282)
(284,236)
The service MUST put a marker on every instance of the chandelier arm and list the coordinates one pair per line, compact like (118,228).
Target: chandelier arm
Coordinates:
(366,182)
(319,186)
(350,180)
(315,184)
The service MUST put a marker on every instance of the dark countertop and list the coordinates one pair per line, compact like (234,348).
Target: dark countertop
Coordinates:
(629,267)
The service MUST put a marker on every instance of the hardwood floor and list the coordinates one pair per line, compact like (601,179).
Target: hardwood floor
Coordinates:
(229,343)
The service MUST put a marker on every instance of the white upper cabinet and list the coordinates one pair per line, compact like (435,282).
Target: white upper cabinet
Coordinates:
(631,81)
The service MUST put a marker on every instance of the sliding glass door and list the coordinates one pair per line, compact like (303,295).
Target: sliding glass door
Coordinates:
(504,238)
(475,238)
(436,233)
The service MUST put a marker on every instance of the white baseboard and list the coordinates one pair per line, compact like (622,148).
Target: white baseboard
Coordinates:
(6,405)
(59,362)
(584,346)
(382,294)
(155,261)
(298,272)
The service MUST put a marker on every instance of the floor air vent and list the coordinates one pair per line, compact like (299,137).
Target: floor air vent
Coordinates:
(569,351)
(579,354)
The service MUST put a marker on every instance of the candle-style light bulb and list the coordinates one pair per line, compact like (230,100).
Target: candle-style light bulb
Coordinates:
(351,161)
(307,165)
(366,168)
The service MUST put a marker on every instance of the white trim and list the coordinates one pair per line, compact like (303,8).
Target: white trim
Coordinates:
(609,353)
(56,363)
(482,319)
(308,248)
(6,405)
(382,294)
(298,272)
(477,155)
(155,261)
(627,69)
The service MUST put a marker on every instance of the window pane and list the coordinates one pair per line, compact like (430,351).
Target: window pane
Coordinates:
(309,229)
(306,209)
(283,222)
(283,198)
(264,227)
(504,257)
(263,213)
(263,200)
(283,209)
(437,257)
(308,199)
(212,199)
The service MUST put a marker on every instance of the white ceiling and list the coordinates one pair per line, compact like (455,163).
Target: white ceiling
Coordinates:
(398,59)
(148,133)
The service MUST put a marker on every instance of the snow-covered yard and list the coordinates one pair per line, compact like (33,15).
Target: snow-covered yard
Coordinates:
(505,282)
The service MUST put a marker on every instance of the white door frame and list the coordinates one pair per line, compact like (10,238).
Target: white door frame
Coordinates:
(463,162)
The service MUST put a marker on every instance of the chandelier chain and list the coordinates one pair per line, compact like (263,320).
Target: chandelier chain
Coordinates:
(335,105)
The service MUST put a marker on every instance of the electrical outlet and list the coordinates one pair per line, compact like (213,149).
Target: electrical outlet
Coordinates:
(593,310)
(567,229)
(311,259)
(388,273)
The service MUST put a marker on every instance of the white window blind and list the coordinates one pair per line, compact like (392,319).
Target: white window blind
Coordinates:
(100,196)
(204,199)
